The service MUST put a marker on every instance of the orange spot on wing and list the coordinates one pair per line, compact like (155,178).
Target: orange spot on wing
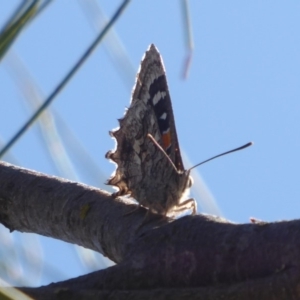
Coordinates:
(166,139)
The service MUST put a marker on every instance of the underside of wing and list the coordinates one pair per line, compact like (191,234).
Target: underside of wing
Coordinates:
(152,88)
(141,165)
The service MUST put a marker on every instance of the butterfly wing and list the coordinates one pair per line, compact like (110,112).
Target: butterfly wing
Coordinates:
(152,83)
(143,170)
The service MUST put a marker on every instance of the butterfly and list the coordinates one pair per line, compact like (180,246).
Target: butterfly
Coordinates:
(149,163)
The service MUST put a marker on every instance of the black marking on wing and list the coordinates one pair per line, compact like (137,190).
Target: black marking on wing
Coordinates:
(164,105)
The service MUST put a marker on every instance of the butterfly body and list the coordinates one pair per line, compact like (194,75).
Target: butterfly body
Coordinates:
(151,172)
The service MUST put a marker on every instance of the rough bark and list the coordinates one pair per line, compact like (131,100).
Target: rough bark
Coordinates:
(194,257)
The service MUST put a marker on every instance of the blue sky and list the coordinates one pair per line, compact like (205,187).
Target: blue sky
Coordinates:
(243,85)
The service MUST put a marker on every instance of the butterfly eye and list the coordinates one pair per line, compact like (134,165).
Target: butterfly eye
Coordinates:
(190,182)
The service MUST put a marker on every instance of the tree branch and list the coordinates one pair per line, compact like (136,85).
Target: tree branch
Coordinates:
(65,210)
(203,257)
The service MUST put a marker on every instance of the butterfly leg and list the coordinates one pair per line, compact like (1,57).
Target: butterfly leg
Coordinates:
(187,204)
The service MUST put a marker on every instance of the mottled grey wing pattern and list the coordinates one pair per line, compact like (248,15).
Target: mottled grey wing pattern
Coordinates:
(152,83)
(143,170)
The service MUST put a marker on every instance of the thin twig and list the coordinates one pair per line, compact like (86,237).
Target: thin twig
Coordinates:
(66,79)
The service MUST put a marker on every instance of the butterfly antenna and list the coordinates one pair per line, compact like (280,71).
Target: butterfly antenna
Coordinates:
(161,149)
(227,152)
